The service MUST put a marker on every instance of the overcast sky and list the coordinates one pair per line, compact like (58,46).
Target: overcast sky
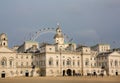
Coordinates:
(86,21)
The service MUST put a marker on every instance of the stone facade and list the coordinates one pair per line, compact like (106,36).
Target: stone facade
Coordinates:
(58,59)
(13,63)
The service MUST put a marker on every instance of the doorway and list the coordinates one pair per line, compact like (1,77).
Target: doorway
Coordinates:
(116,73)
(27,74)
(69,72)
(3,75)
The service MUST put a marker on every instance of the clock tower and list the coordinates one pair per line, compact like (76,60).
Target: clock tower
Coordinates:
(59,37)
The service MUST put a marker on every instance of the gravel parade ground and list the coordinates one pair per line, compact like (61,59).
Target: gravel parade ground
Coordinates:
(110,79)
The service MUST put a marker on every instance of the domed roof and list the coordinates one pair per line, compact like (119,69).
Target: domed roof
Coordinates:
(3,36)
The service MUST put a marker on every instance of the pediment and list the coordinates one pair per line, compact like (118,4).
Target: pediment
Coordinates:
(115,54)
(5,49)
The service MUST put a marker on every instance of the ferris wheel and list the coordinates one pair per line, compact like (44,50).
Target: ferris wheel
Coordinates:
(34,35)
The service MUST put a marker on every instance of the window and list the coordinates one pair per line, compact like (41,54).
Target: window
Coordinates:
(31,63)
(63,62)
(111,62)
(95,64)
(51,61)
(91,58)
(50,48)
(116,63)
(73,63)
(68,62)
(4,39)
(4,62)
(31,57)
(78,63)
(21,63)
(4,43)
(57,63)
(86,62)
(11,63)
(21,72)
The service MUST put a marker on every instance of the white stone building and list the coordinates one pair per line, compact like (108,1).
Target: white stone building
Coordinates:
(58,59)
(13,63)
(110,61)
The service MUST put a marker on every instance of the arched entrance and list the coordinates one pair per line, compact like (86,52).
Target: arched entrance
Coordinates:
(69,72)
(63,72)
(27,74)
(116,73)
(3,74)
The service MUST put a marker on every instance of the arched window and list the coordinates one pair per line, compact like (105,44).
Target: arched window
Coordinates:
(57,62)
(111,63)
(63,62)
(116,63)
(73,62)
(87,62)
(51,61)
(11,61)
(68,62)
(78,63)
(4,62)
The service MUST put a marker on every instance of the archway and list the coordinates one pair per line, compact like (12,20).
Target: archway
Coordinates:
(116,73)
(3,74)
(27,74)
(69,72)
